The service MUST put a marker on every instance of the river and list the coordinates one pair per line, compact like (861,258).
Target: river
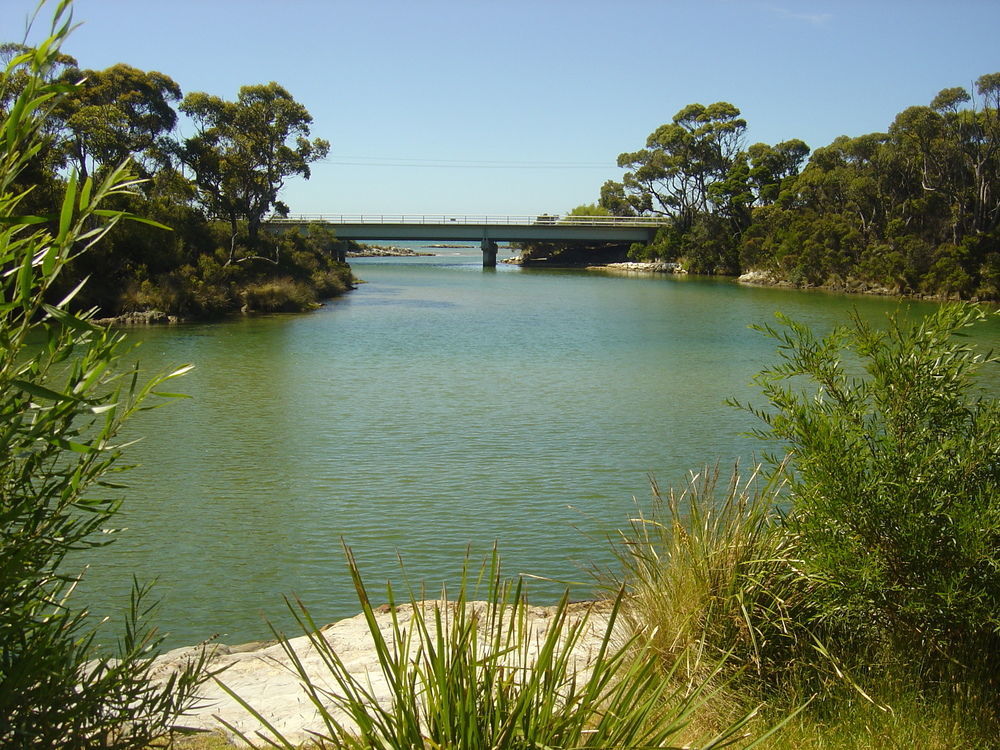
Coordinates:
(438,408)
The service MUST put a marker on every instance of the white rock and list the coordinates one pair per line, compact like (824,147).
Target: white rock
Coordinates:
(264,678)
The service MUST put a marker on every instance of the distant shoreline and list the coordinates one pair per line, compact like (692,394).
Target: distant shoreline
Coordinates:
(386,251)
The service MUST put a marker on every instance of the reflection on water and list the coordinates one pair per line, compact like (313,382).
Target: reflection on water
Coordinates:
(436,409)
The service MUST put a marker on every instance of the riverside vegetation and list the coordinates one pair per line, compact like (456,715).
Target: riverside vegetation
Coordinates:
(212,190)
(856,573)
(914,210)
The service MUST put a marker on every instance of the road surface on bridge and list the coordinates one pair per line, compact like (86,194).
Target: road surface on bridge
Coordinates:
(488,230)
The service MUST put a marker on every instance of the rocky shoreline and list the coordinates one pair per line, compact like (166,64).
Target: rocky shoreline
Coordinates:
(841,286)
(141,318)
(636,267)
(262,673)
(386,251)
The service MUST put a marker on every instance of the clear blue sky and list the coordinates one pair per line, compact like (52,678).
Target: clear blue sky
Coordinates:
(417,96)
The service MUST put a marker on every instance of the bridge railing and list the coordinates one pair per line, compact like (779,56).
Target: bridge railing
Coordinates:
(445,219)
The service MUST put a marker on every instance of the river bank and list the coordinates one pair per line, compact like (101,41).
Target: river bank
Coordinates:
(640,267)
(264,675)
(849,285)
(387,251)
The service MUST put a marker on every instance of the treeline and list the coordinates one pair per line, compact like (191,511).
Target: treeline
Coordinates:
(212,190)
(914,210)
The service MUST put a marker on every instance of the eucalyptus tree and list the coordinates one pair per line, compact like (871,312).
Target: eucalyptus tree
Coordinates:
(773,168)
(694,171)
(673,175)
(245,150)
(116,114)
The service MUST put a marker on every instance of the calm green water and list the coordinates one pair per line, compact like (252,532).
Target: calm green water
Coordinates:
(438,407)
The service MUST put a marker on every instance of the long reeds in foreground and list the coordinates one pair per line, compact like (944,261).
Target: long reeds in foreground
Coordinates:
(711,575)
(464,674)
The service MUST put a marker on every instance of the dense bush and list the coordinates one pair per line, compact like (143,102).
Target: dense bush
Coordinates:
(894,485)
(63,401)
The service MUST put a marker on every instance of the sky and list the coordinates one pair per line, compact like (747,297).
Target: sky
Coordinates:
(521,108)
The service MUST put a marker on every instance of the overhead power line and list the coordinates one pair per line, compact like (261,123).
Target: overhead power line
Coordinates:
(388,161)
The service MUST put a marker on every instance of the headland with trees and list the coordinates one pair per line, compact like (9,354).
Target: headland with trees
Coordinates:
(201,251)
(914,210)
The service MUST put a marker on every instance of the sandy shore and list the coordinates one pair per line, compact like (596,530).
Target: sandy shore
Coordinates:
(262,673)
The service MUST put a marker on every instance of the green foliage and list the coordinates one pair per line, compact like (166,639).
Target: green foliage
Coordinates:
(278,295)
(673,175)
(589,209)
(239,160)
(63,401)
(116,114)
(861,573)
(894,484)
(712,577)
(241,155)
(467,675)
(913,210)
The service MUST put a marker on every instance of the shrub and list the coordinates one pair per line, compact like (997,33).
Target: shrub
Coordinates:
(63,401)
(894,484)
(278,295)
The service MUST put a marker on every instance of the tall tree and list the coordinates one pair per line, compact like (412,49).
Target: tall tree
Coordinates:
(118,113)
(672,176)
(245,150)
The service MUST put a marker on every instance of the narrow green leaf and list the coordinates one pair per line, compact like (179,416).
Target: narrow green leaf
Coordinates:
(182,370)
(69,202)
(24,280)
(69,319)
(42,392)
(25,220)
(88,186)
(164,394)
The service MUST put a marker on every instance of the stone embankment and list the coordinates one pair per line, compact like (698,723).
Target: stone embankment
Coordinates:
(262,673)
(144,318)
(652,267)
(384,251)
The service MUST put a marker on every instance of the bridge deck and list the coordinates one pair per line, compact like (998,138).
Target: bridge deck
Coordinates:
(495,228)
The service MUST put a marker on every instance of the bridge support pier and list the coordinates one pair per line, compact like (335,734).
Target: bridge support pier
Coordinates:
(489,253)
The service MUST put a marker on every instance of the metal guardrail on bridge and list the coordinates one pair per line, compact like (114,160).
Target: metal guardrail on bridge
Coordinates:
(438,219)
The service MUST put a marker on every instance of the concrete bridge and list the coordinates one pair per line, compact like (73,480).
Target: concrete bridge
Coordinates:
(487,230)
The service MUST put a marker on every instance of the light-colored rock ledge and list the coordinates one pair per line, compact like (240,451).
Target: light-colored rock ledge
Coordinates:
(657,267)
(262,674)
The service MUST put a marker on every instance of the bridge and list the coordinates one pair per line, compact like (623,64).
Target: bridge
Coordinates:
(487,230)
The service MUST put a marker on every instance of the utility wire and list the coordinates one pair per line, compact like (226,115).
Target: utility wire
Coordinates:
(388,161)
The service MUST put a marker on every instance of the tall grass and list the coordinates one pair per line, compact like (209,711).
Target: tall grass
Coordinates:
(712,575)
(471,675)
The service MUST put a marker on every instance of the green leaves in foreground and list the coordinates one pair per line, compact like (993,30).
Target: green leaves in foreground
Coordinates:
(893,472)
(469,675)
(64,399)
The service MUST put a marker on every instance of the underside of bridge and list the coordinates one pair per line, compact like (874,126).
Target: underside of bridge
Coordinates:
(487,232)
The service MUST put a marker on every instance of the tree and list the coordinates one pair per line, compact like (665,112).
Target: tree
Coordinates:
(245,150)
(63,400)
(682,160)
(773,167)
(116,114)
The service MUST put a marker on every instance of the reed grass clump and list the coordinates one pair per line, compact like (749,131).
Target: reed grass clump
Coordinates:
(713,577)
(466,675)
